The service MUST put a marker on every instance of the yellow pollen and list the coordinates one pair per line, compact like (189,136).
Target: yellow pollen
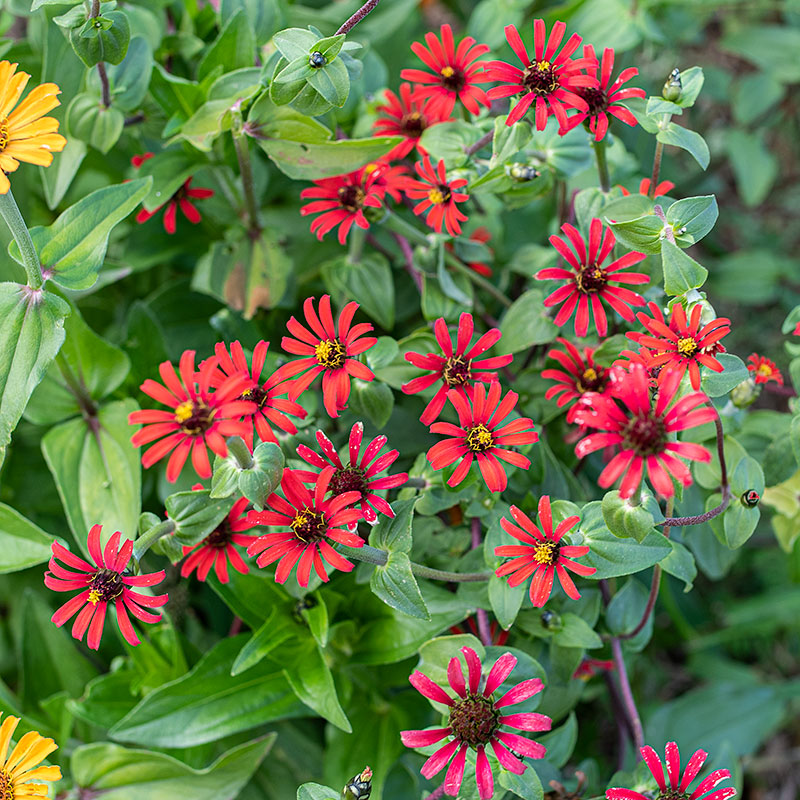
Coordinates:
(94,597)
(330,353)
(479,439)
(542,65)
(764,369)
(301,519)
(370,168)
(687,347)
(447,72)
(590,375)
(184,411)
(545,553)
(436,197)
(4,135)
(6,785)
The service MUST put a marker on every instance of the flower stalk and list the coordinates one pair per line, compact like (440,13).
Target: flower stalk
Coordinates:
(242,148)
(150,537)
(602,164)
(19,230)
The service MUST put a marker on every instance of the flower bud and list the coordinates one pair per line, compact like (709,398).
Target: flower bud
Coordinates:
(750,498)
(673,86)
(359,787)
(317,60)
(745,394)
(522,173)
(551,621)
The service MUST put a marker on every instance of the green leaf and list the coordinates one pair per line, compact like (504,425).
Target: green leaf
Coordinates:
(102,38)
(576,632)
(568,154)
(316,791)
(96,471)
(680,563)
(263,16)
(505,600)
(697,215)
(626,609)
(560,743)
(447,141)
(373,399)
(332,82)
(717,384)
(739,521)
(275,630)
(771,47)
(394,583)
(394,533)
(613,557)
(32,331)
(283,122)
(692,81)
(643,234)
(754,94)
(754,165)
(508,140)
(22,544)
(208,704)
(58,177)
(525,323)
(626,520)
(118,773)
(446,282)
(369,279)
(527,786)
(295,42)
(311,161)
(264,477)
(692,142)
(234,48)
(195,514)
(90,121)
(681,271)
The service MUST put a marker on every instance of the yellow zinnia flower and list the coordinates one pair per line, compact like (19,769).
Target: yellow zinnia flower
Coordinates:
(20,767)
(25,133)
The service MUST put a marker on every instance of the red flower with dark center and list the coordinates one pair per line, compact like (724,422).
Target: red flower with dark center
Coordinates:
(271,407)
(579,375)
(604,99)
(763,369)
(437,196)
(388,179)
(664,187)
(482,436)
(454,74)
(476,720)
(360,474)
(182,198)
(199,418)
(541,554)
(219,546)
(682,344)
(342,199)
(329,351)
(550,81)
(590,283)
(309,522)
(678,788)
(456,367)
(627,417)
(100,583)
(408,116)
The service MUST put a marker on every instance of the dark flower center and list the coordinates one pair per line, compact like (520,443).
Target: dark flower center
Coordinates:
(4,137)
(255,395)
(6,784)
(330,353)
(441,194)
(457,371)
(474,720)
(540,78)
(673,794)
(453,78)
(351,198)
(220,536)
(480,439)
(593,379)
(596,99)
(591,279)
(687,346)
(350,479)
(644,435)
(194,417)
(309,526)
(104,586)
(546,552)
(413,124)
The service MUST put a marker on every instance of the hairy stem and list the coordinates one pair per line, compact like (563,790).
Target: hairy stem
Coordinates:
(656,169)
(357,17)
(149,538)
(480,144)
(239,450)
(101,67)
(248,182)
(19,230)
(483,618)
(602,164)
(408,260)
(627,695)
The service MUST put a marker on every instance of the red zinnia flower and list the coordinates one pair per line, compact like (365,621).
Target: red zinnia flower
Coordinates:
(100,583)
(388,179)
(359,476)
(454,73)
(181,198)
(541,553)
(678,786)
(629,419)
(683,344)
(456,369)
(604,99)
(663,187)
(589,667)
(269,405)
(582,375)
(481,436)
(476,719)
(329,351)
(200,418)
(549,80)
(591,282)
(437,196)
(309,521)
(408,116)
(218,547)
(343,199)
(763,369)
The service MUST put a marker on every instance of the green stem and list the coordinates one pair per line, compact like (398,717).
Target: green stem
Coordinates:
(656,169)
(413,234)
(239,450)
(149,538)
(242,147)
(356,244)
(602,164)
(19,230)
(373,555)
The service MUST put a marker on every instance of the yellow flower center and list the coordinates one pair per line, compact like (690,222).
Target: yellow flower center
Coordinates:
(309,526)
(4,137)
(194,417)
(106,585)
(94,597)
(436,197)
(184,411)
(764,370)
(479,439)
(330,353)
(546,553)
(687,347)
(6,785)
(589,375)
(447,72)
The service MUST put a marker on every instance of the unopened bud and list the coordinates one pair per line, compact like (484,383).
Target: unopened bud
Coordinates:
(522,173)
(551,621)
(317,60)
(745,394)
(750,498)
(359,787)
(673,86)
